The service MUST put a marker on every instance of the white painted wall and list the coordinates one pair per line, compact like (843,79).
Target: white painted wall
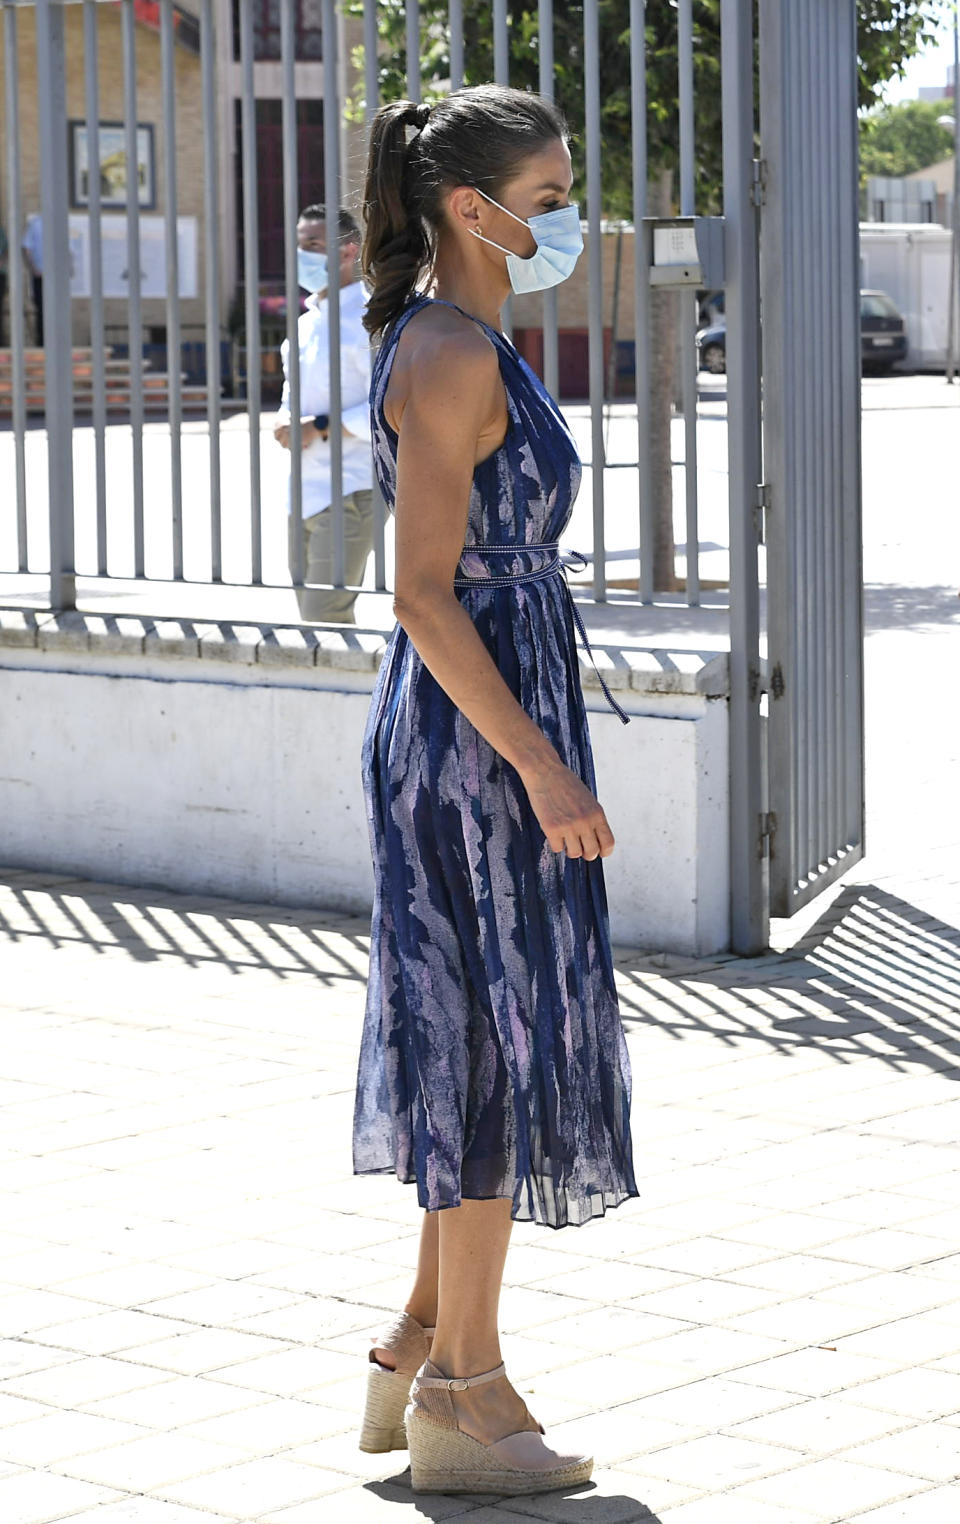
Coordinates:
(662,781)
(118,768)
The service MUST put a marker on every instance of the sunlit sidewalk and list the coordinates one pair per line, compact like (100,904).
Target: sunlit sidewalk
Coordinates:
(190,1271)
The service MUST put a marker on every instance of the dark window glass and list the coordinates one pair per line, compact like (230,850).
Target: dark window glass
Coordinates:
(270,240)
(308,41)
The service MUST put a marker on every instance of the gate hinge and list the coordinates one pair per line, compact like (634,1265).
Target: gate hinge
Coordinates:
(758,189)
(768,830)
(761,504)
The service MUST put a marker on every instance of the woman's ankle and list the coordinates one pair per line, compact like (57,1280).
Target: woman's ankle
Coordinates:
(465,1359)
(422,1311)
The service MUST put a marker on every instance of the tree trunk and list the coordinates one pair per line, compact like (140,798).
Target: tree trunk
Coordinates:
(663,371)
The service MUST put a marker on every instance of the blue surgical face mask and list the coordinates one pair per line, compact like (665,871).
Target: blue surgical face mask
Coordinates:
(559,246)
(311,270)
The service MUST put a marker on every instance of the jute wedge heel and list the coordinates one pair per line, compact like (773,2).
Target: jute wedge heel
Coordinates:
(388,1391)
(444,1459)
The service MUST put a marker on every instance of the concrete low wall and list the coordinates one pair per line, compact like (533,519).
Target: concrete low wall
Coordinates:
(226,759)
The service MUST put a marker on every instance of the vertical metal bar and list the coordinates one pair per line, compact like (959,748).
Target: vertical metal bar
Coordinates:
(413,49)
(251,279)
(953,304)
(833,549)
(806,276)
(795,263)
(829,567)
(97,338)
(211,274)
(749,923)
(591,70)
(455,24)
(18,399)
(134,307)
(641,295)
(551,360)
(371,72)
(57,365)
(291,211)
(688,299)
(685,104)
(372,93)
(501,43)
(851,597)
(331,207)
(174,349)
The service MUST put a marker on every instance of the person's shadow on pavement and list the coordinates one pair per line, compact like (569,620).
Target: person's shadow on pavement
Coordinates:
(568,1505)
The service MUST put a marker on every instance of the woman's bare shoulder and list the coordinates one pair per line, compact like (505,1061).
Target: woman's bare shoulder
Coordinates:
(439,331)
(438,348)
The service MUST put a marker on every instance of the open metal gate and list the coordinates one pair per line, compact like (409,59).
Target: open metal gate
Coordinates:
(810,305)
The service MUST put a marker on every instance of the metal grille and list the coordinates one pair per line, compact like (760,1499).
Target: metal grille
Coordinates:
(265,186)
(811,355)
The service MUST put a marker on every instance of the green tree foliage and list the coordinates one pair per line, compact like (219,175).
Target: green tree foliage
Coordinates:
(890,33)
(896,140)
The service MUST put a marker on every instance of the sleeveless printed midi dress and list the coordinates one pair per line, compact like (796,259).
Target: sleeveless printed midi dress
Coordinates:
(492,1060)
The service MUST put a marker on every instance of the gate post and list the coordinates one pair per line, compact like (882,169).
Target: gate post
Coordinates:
(749,918)
(57,334)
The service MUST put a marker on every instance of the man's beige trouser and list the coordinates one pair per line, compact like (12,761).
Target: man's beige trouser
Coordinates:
(333,605)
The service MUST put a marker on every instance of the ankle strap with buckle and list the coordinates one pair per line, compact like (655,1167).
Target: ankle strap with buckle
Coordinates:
(461,1383)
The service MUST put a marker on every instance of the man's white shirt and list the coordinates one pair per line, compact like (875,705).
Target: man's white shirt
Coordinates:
(313,334)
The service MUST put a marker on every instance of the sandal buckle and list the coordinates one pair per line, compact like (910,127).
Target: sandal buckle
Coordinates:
(458,1384)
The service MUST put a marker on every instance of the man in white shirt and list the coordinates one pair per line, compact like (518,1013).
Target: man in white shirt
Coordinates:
(32,246)
(330,605)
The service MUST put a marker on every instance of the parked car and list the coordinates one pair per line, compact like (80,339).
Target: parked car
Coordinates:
(712,344)
(883,338)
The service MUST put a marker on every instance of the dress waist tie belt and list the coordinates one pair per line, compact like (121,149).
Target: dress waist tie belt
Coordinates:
(556,566)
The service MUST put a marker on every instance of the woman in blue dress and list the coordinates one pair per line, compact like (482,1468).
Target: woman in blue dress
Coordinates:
(493,1070)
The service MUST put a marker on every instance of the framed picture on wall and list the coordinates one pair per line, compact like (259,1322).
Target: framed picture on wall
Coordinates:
(113,165)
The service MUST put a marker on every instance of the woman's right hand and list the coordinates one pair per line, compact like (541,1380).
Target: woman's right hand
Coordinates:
(571,818)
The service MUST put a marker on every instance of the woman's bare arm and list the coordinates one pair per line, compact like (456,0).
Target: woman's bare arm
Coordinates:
(452,390)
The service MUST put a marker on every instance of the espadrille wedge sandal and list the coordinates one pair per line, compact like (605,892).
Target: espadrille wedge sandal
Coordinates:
(444,1459)
(388,1391)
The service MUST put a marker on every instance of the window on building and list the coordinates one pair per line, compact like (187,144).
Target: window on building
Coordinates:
(270,241)
(308,39)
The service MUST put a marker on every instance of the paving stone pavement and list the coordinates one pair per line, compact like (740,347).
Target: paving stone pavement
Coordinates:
(190,1273)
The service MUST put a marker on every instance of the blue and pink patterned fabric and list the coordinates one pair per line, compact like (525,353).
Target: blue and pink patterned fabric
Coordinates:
(493,1061)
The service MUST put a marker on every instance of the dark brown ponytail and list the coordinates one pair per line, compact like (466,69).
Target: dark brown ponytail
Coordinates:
(477,136)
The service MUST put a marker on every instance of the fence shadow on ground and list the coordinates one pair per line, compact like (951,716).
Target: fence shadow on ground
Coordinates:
(873,977)
(160,926)
(890,607)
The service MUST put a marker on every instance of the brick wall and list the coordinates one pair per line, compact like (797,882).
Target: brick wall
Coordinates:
(189,130)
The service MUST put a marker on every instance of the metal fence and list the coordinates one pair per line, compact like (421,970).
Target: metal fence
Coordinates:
(818,801)
(48,19)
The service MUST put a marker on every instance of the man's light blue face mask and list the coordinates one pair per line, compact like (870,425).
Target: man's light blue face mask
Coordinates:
(559,246)
(311,270)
